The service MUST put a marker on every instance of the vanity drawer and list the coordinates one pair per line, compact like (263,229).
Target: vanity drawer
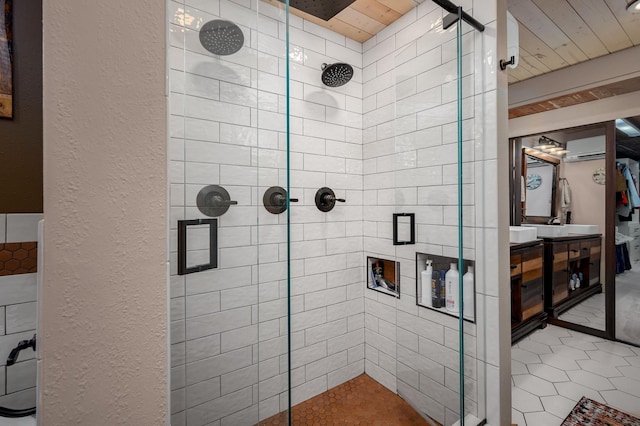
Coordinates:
(574,251)
(532,264)
(585,246)
(516,264)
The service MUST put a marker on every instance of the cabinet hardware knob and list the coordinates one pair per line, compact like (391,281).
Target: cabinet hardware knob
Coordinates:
(513,266)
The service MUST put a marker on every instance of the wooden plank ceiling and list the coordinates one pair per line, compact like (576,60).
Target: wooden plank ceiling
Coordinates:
(553,33)
(362,19)
(557,33)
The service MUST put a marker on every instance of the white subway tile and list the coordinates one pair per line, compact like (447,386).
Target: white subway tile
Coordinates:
(21,376)
(239,338)
(343,54)
(378,52)
(209,6)
(23,398)
(20,317)
(321,129)
(217,111)
(221,407)
(22,227)
(202,392)
(202,304)
(20,288)
(239,379)
(307,319)
(218,322)
(238,297)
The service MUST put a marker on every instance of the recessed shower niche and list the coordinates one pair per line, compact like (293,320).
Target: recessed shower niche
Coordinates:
(437,275)
(383,275)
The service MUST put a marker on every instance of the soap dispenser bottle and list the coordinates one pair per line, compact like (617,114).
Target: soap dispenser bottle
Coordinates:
(436,290)
(426,283)
(453,285)
(443,288)
(469,294)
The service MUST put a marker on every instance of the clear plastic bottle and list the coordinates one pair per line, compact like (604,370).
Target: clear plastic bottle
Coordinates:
(453,285)
(469,294)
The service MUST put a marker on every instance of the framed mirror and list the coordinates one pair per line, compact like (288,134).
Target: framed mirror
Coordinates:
(535,197)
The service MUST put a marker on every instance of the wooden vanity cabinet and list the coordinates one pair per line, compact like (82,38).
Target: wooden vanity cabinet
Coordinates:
(527,288)
(565,256)
(558,257)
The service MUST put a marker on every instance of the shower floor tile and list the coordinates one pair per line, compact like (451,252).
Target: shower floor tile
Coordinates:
(360,401)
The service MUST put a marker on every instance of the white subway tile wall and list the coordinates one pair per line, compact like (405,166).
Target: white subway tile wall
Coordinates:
(410,166)
(18,317)
(228,127)
(387,142)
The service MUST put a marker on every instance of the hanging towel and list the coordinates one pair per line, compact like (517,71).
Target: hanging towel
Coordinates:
(633,192)
(565,196)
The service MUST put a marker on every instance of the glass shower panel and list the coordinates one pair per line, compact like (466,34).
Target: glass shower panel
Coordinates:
(431,179)
(327,318)
(228,277)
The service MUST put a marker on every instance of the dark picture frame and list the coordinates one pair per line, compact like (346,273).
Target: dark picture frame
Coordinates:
(6,59)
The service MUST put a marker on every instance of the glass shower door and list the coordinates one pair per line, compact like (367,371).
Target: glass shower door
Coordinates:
(434,182)
(228,271)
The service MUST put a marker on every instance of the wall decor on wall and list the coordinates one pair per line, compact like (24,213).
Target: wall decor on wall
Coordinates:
(599,176)
(6,61)
(533,181)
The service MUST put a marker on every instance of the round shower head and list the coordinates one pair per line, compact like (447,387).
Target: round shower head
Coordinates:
(336,75)
(221,37)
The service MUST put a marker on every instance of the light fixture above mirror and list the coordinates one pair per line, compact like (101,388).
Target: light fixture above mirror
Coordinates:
(551,146)
(633,6)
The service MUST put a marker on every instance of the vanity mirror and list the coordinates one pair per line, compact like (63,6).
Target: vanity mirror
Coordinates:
(553,191)
(534,200)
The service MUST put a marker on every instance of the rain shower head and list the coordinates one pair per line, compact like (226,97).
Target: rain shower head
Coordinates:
(221,37)
(336,75)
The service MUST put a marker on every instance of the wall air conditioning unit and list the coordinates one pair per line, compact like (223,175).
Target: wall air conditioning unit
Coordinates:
(585,149)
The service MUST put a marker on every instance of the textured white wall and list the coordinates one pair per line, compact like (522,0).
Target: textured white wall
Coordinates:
(104,300)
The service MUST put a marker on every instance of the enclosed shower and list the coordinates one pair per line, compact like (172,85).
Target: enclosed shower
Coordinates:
(306,170)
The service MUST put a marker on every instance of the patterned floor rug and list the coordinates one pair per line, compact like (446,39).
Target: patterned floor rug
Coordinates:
(588,412)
